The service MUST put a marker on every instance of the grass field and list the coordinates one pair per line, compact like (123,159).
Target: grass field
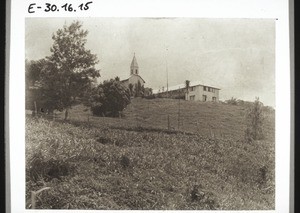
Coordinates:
(199,161)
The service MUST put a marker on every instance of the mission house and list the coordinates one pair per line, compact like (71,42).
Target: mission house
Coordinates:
(197,91)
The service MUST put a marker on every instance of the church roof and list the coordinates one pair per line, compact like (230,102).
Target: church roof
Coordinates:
(134,63)
(127,78)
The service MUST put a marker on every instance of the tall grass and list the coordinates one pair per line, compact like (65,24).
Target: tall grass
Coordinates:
(103,166)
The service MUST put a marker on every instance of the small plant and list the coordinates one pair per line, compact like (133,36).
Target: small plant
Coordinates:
(263,171)
(232,101)
(254,121)
(195,194)
(125,161)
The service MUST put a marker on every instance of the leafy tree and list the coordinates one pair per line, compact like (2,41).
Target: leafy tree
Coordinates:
(70,69)
(131,89)
(255,119)
(187,85)
(232,101)
(138,89)
(32,72)
(109,98)
(32,84)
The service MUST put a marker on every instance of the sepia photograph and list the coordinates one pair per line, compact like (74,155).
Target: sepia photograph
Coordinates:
(150,113)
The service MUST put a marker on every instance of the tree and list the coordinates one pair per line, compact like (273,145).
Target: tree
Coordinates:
(255,119)
(32,84)
(109,98)
(33,71)
(138,89)
(131,89)
(187,86)
(70,70)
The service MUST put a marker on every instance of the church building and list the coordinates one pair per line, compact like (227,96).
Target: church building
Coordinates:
(134,78)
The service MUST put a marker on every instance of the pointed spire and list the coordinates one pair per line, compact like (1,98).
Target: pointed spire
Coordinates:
(134,67)
(134,62)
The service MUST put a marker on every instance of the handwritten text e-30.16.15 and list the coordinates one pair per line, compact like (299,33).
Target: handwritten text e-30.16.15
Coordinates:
(33,7)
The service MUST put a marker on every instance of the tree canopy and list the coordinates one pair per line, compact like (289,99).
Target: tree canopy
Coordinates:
(70,69)
(109,98)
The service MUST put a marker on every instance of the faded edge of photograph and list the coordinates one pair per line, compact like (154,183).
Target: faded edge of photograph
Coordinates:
(150,113)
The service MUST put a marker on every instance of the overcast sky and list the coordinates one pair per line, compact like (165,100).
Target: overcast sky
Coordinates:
(235,55)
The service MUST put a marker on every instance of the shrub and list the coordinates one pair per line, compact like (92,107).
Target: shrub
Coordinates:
(232,101)
(150,96)
(254,121)
(109,99)
(125,161)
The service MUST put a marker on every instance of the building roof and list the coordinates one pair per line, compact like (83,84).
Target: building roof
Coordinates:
(127,78)
(182,86)
(134,62)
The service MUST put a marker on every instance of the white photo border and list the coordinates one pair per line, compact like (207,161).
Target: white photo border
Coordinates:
(275,9)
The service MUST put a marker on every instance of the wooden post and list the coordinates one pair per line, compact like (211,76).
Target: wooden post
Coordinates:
(179,114)
(35,109)
(33,200)
(33,196)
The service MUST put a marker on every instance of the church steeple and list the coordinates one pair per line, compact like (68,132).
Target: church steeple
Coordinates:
(134,67)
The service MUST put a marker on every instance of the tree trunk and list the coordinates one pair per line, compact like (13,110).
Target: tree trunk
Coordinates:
(66,113)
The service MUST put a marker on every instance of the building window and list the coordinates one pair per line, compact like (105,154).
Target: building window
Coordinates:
(192,98)
(204,97)
(204,88)
(192,88)
(214,99)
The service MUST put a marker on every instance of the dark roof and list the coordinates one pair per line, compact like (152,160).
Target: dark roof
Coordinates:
(131,75)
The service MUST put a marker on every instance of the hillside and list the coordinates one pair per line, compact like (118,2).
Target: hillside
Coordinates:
(137,162)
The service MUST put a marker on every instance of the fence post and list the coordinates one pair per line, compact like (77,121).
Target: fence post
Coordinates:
(33,200)
(35,109)
(33,196)
(179,114)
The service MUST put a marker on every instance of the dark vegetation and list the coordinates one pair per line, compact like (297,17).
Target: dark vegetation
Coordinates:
(109,99)
(57,81)
(135,162)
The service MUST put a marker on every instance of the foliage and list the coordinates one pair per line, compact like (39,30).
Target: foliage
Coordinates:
(131,89)
(139,89)
(187,85)
(232,101)
(32,71)
(255,119)
(109,98)
(69,71)
(148,91)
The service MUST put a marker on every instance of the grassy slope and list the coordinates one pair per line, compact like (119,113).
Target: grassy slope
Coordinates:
(105,166)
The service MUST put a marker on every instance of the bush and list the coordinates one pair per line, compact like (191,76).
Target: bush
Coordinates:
(232,101)
(254,121)
(150,96)
(109,99)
